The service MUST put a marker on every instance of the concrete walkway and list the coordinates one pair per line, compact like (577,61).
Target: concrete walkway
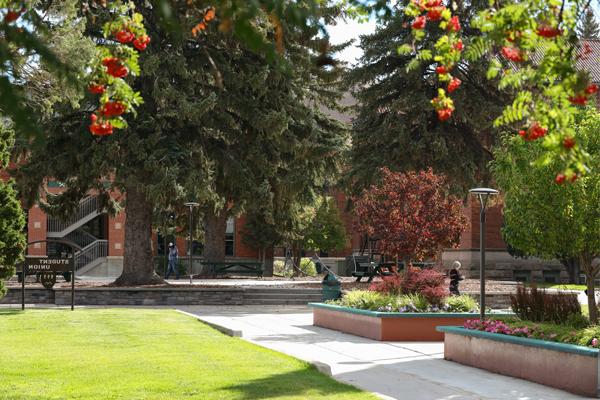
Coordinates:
(393,370)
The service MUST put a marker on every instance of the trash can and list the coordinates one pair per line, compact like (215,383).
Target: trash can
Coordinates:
(331,287)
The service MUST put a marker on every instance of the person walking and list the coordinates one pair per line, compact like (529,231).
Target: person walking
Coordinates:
(455,278)
(173,257)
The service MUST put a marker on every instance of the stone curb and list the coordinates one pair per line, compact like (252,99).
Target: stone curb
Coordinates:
(220,328)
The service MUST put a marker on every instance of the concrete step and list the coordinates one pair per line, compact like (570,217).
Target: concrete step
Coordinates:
(276,302)
(284,290)
(282,296)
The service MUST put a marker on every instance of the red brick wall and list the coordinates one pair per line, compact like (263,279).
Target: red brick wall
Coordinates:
(241,249)
(116,235)
(493,225)
(36,228)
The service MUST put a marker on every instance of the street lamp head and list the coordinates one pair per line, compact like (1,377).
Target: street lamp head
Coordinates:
(191,204)
(483,191)
(483,194)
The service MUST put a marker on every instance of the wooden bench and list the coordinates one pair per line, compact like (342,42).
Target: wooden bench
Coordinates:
(235,267)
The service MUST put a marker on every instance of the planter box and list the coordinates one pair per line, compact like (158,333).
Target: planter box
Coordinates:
(387,326)
(563,366)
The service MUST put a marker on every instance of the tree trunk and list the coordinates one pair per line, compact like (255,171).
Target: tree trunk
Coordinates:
(573,269)
(138,267)
(215,226)
(590,275)
(267,261)
(296,259)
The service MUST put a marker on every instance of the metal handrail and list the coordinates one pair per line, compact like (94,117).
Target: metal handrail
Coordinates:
(81,237)
(90,253)
(87,206)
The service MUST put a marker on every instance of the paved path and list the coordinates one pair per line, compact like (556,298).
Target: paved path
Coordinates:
(393,370)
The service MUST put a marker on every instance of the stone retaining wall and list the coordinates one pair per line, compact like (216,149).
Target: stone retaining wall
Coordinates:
(32,296)
(162,296)
(151,297)
(497,300)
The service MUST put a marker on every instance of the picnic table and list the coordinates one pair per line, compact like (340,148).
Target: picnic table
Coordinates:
(371,269)
(234,267)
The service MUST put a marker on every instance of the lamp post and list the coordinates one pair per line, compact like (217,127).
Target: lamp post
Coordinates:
(483,194)
(191,205)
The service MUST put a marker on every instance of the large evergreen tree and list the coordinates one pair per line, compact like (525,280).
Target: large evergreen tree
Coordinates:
(588,26)
(218,122)
(289,149)
(395,125)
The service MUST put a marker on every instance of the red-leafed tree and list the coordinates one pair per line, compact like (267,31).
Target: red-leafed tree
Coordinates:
(412,214)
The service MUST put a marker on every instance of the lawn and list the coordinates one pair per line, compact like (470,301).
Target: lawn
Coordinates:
(145,354)
(562,286)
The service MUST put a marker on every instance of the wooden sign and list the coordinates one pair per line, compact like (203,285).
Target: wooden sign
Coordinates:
(43,264)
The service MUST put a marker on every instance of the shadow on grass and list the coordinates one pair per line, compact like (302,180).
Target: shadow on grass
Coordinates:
(307,382)
(10,311)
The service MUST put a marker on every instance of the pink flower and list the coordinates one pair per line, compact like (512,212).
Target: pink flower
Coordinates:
(595,342)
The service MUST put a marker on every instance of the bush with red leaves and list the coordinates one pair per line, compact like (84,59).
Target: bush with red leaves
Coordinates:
(430,283)
(388,285)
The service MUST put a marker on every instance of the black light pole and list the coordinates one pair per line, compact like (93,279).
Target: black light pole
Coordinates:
(191,205)
(483,194)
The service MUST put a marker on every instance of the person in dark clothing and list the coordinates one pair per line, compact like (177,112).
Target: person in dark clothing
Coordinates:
(173,257)
(455,278)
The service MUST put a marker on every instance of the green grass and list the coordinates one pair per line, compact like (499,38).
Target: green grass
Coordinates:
(562,286)
(145,354)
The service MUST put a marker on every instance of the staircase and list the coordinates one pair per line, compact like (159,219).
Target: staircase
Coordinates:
(87,211)
(93,250)
(282,296)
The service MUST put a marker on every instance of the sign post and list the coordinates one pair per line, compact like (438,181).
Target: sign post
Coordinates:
(48,268)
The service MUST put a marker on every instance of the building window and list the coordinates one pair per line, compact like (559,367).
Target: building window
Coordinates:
(230,237)
(551,276)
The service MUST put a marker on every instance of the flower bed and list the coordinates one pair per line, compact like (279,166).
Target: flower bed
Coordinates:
(498,347)
(386,326)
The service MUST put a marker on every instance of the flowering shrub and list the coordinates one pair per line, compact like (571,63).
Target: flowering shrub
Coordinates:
(496,326)
(544,331)
(414,302)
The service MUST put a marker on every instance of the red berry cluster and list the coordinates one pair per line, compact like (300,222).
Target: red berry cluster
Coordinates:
(535,132)
(113,104)
(581,98)
(12,15)
(448,56)
(562,178)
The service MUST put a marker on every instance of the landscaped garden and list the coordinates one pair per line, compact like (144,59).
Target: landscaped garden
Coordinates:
(145,354)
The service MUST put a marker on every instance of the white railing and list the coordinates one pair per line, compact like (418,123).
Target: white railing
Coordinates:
(87,206)
(90,253)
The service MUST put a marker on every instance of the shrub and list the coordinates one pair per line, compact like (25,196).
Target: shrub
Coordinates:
(365,300)
(306,266)
(462,303)
(414,302)
(540,306)
(278,266)
(428,283)
(389,285)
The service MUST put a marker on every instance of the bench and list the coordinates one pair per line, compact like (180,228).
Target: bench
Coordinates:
(235,267)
